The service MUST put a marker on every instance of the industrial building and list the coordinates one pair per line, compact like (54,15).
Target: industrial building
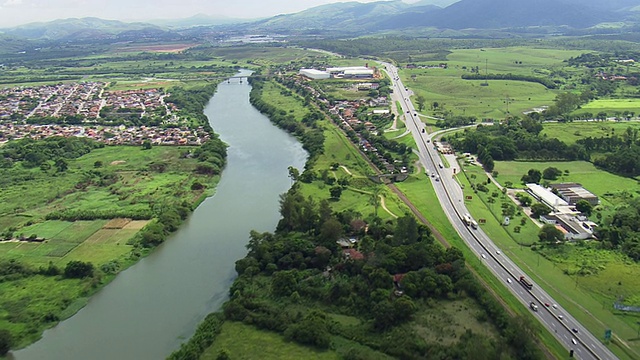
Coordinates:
(359,72)
(573,227)
(573,192)
(315,74)
(354,72)
(545,196)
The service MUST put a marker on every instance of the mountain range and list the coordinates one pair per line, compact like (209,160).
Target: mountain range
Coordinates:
(355,18)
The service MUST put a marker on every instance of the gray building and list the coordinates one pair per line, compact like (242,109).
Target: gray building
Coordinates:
(573,192)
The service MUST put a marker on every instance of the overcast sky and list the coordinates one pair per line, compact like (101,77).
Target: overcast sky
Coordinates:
(16,12)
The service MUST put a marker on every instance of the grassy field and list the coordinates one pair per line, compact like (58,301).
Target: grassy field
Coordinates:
(260,344)
(610,106)
(66,241)
(569,133)
(468,97)
(282,98)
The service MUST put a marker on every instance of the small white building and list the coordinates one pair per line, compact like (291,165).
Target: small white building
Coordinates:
(314,74)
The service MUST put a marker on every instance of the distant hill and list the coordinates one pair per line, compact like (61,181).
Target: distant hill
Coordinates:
(196,20)
(347,16)
(353,17)
(487,14)
(84,28)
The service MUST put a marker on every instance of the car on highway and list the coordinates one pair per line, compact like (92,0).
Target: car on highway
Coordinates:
(546,304)
(574,341)
(498,252)
(574,330)
(483,256)
(509,280)
(561,317)
(554,306)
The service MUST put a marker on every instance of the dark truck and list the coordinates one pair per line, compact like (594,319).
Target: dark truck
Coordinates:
(526,283)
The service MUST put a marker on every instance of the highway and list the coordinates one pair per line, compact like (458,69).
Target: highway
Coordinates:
(560,323)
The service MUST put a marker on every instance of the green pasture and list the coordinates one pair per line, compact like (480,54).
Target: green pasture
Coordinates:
(503,60)
(260,344)
(277,96)
(611,105)
(570,132)
(468,97)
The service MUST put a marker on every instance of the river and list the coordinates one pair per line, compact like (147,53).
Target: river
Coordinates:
(155,305)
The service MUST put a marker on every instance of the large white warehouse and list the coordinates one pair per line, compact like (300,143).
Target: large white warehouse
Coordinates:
(315,74)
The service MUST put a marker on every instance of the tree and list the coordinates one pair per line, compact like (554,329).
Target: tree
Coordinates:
(532,176)
(97,164)
(312,330)
(549,233)
(539,209)
(284,283)
(551,173)
(524,199)
(294,174)
(77,269)
(61,165)
(336,192)
(5,341)
(420,100)
(146,145)
(584,207)
(223,354)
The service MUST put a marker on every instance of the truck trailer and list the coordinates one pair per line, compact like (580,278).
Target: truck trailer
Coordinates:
(526,283)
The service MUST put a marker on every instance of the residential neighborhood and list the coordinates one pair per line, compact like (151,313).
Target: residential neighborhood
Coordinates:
(90,101)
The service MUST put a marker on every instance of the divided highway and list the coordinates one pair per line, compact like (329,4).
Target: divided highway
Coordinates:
(560,323)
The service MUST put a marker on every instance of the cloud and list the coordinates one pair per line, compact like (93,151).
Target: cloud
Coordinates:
(12,3)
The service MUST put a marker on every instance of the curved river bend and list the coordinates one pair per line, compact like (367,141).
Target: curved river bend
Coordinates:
(152,307)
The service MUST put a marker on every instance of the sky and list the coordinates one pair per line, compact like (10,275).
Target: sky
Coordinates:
(17,12)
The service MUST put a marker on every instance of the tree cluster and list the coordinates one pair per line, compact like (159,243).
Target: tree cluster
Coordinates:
(516,139)
(34,153)
(622,230)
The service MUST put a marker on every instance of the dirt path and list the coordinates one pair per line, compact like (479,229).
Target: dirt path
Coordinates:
(384,206)
(346,170)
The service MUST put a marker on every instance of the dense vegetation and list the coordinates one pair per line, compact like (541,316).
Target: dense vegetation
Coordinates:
(293,280)
(622,229)
(515,139)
